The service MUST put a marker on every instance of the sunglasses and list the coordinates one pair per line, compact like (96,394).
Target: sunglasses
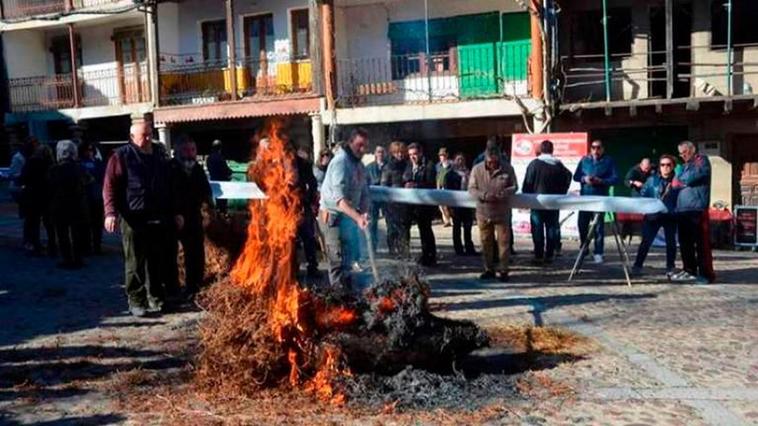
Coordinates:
(666,165)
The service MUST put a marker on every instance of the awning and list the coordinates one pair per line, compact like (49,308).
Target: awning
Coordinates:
(232,110)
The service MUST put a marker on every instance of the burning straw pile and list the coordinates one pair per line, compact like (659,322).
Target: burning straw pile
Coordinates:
(263,329)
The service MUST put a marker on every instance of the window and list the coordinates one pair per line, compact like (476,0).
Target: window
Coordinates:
(587,32)
(259,36)
(214,41)
(60,47)
(744,30)
(300,34)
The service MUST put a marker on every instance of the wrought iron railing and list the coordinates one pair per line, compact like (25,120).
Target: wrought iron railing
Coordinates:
(184,79)
(110,86)
(697,72)
(465,72)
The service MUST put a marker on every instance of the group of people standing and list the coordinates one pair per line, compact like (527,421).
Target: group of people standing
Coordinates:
(61,191)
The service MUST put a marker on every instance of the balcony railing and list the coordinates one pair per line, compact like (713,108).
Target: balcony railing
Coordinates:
(466,72)
(697,72)
(186,80)
(20,9)
(110,86)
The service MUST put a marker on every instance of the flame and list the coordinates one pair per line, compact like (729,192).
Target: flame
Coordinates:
(267,267)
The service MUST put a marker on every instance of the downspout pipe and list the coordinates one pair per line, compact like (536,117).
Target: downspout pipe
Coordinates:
(606,53)
(729,49)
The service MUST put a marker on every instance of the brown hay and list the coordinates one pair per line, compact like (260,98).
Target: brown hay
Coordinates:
(239,353)
(546,340)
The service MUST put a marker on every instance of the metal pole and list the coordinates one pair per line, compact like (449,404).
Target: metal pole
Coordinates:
(606,54)
(428,54)
(729,48)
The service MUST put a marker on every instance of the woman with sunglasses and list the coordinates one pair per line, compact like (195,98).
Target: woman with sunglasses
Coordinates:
(660,186)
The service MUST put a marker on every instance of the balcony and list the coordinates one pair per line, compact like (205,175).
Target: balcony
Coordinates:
(463,73)
(21,9)
(103,87)
(186,80)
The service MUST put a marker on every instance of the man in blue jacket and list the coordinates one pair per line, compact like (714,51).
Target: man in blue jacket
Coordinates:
(694,184)
(596,173)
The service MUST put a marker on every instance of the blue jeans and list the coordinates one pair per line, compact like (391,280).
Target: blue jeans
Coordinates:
(584,226)
(545,223)
(650,227)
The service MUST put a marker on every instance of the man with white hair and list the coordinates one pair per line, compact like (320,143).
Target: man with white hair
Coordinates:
(693,200)
(138,197)
(68,205)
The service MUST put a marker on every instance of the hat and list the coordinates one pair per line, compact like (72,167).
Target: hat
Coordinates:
(442,151)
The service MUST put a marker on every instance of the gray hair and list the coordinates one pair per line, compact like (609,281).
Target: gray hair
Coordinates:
(66,150)
(688,144)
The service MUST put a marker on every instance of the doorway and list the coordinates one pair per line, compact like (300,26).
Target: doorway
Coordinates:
(682,30)
(131,73)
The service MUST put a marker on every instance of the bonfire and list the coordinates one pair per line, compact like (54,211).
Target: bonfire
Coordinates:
(264,328)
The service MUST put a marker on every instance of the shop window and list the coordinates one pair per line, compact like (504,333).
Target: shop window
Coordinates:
(744,30)
(587,32)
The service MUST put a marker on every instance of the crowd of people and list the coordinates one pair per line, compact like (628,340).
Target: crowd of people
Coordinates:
(155,202)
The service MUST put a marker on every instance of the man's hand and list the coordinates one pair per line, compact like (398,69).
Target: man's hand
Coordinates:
(676,183)
(110,224)
(362,221)
(588,179)
(179,221)
(637,184)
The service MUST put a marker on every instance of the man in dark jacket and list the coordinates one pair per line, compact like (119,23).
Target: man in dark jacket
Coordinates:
(68,205)
(546,175)
(374,171)
(420,173)
(398,229)
(191,188)
(693,200)
(637,176)
(218,170)
(597,173)
(137,192)
(95,168)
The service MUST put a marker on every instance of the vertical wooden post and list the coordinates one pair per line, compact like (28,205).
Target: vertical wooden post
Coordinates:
(536,63)
(74,68)
(330,70)
(316,35)
(153,55)
(232,47)
(670,68)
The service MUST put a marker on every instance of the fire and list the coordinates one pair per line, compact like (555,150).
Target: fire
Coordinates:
(267,267)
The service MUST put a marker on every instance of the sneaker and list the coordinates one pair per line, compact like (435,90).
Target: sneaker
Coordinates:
(487,275)
(683,277)
(503,277)
(598,258)
(154,306)
(137,311)
(670,273)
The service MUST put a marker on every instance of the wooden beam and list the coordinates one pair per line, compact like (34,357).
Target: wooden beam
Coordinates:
(330,68)
(74,68)
(232,47)
(670,69)
(536,63)
(315,32)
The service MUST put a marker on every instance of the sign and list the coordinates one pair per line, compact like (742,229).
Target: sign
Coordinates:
(746,226)
(567,147)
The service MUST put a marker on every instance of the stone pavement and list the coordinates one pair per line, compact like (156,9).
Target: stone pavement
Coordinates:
(666,354)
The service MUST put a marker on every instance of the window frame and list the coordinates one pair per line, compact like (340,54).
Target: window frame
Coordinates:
(219,24)
(293,34)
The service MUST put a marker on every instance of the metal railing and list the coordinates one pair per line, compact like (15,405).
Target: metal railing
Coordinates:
(110,86)
(698,71)
(466,72)
(184,79)
(20,9)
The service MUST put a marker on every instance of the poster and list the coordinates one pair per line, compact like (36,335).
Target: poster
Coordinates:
(746,221)
(569,148)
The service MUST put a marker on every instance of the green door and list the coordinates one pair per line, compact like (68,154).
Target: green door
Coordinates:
(476,70)
(513,57)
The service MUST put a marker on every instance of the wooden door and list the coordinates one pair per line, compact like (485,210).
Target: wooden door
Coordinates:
(259,42)
(131,73)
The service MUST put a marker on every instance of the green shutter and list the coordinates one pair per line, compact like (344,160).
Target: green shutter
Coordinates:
(513,59)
